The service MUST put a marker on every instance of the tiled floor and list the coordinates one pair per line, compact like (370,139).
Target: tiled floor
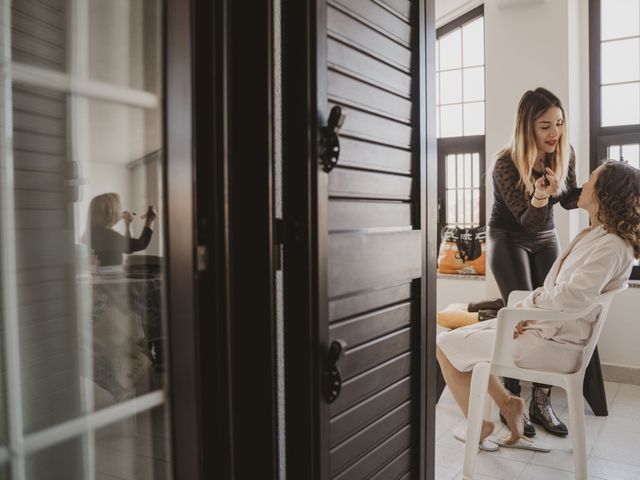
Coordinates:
(613,443)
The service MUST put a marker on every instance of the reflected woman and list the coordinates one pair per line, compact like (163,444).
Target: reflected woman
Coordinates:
(108,245)
(531,175)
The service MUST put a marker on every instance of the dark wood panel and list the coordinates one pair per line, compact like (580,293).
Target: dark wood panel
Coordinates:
(369,127)
(33,46)
(348,90)
(378,457)
(396,468)
(377,18)
(359,388)
(359,262)
(41,219)
(43,292)
(402,8)
(37,123)
(40,201)
(42,162)
(356,446)
(377,405)
(355,215)
(359,330)
(358,184)
(32,250)
(43,13)
(364,357)
(343,58)
(406,476)
(348,306)
(23,23)
(39,181)
(33,142)
(353,32)
(374,157)
(38,275)
(40,312)
(39,101)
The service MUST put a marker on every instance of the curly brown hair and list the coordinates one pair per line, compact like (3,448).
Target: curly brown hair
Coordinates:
(617,194)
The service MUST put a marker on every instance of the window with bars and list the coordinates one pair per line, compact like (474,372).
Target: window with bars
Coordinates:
(460,123)
(614,51)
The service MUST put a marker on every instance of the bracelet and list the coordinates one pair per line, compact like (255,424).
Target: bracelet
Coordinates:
(539,203)
(540,198)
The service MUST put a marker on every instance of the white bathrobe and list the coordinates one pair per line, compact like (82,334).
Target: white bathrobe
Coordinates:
(596,262)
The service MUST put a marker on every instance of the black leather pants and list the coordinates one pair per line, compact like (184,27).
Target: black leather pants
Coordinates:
(521,261)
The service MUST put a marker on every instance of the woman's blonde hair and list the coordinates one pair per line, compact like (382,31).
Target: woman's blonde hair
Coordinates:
(617,196)
(523,150)
(104,210)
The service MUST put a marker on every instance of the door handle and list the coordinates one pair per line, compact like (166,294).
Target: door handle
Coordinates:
(332,377)
(330,142)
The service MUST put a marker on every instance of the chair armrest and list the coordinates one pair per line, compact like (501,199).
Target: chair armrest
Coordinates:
(517,296)
(507,320)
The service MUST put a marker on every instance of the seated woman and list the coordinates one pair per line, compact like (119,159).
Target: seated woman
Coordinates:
(108,245)
(597,261)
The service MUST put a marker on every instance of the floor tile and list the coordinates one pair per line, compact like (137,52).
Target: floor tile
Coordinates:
(496,465)
(537,472)
(612,470)
(446,473)
(628,395)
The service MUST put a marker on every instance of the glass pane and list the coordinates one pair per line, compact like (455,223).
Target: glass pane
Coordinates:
(476,206)
(87,262)
(474,118)
(451,87)
(133,449)
(438,122)
(460,170)
(620,18)
(451,121)
(467,170)
(451,50)
(473,84)
(451,207)
(621,61)
(467,207)
(631,153)
(451,171)
(460,200)
(437,55)
(123,43)
(621,104)
(476,170)
(438,102)
(473,43)
(613,152)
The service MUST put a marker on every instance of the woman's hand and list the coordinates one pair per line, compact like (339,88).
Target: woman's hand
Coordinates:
(127,217)
(542,191)
(150,215)
(520,328)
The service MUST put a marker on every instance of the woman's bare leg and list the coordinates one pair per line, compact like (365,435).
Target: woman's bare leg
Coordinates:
(460,385)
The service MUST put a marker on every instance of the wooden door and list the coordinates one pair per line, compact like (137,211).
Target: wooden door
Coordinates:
(357,250)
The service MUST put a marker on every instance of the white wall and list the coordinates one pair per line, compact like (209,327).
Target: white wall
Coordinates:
(532,43)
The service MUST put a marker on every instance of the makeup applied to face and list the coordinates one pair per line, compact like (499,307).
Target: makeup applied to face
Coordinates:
(548,129)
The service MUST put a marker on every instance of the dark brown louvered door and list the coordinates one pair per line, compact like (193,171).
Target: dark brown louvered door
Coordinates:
(370,252)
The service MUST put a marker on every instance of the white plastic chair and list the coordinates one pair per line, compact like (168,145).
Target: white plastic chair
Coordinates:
(502,365)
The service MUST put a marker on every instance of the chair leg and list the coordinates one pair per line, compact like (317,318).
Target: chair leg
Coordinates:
(477,399)
(577,429)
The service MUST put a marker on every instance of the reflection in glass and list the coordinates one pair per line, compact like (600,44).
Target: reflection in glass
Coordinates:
(451,50)
(467,170)
(476,206)
(631,153)
(473,43)
(460,202)
(476,170)
(619,18)
(467,207)
(621,61)
(474,118)
(451,121)
(451,171)
(451,87)
(621,104)
(473,84)
(451,207)
(460,166)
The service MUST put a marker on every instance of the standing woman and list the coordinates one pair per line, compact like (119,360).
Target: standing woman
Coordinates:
(531,175)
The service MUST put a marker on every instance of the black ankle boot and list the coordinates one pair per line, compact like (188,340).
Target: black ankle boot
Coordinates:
(541,412)
(513,386)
